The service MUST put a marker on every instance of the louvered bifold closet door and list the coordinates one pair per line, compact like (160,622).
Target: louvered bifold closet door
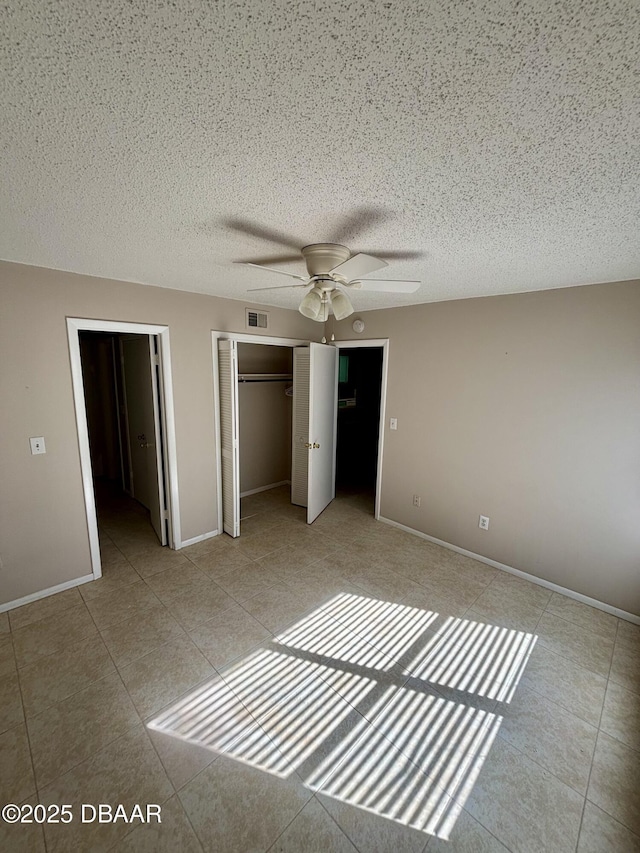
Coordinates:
(228,390)
(300,431)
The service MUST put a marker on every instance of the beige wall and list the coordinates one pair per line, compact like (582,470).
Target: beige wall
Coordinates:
(265,358)
(43,529)
(265,417)
(525,408)
(265,434)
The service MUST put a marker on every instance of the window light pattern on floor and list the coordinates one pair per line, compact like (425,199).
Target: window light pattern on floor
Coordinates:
(387,707)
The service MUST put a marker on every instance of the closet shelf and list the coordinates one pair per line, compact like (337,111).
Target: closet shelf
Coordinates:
(265,377)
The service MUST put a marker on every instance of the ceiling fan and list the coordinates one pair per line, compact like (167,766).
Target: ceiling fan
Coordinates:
(332,270)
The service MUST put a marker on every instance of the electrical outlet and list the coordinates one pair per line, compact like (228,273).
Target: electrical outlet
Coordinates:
(393,423)
(483,523)
(417,500)
(37,445)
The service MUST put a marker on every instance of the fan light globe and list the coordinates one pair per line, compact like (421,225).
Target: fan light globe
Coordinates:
(311,305)
(341,306)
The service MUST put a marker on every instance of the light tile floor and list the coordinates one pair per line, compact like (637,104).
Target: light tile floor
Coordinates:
(340,687)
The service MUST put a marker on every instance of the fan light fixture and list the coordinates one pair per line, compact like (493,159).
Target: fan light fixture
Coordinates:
(311,305)
(317,302)
(341,306)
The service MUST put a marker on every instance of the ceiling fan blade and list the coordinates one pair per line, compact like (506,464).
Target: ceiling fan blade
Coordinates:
(358,221)
(358,265)
(279,272)
(235,223)
(277,287)
(395,286)
(271,259)
(397,256)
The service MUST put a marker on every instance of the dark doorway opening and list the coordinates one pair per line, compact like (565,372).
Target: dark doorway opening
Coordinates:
(121,507)
(359,400)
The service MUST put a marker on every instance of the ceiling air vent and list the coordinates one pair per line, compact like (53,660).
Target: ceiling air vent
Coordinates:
(257,319)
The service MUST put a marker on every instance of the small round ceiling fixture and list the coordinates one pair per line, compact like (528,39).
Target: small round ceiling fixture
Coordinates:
(358,326)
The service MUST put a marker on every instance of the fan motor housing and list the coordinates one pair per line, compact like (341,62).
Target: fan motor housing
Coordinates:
(323,257)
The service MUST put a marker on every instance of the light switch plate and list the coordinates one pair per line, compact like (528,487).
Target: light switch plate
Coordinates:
(37,445)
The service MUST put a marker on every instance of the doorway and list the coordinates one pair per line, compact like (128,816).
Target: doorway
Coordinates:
(358,429)
(361,396)
(314,426)
(124,414)
(121,390)
(312,421)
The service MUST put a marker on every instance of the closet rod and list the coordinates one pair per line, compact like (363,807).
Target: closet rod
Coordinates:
(265,378)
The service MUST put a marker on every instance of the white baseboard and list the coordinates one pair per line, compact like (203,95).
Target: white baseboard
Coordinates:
(265,488)
(200,538)
(570,593)
(45,593)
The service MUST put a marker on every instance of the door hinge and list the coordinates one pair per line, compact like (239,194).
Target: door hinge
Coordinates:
(155,358)
(165,514)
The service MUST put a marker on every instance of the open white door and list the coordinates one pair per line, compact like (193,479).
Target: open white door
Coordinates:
(228,375)
(139,362)
(160,455)
(313,475)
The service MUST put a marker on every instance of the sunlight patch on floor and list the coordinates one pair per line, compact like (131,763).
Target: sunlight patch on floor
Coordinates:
(390,708)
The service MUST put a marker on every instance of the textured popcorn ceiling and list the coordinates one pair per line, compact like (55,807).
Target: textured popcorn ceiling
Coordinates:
(501,139)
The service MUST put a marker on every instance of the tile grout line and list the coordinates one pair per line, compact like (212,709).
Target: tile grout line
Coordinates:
(226,753)
(542,767)
(595,747)
(565,656)
(584,796)
(313,797)
(26,729)
(104,746)
(77,601)
(491,833)
(345,833)
(144,728)
(149,739)
(25,719)
(269,849)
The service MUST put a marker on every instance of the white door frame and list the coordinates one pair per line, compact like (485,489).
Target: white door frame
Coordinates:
(382,343)
(75,325)
(241,339)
